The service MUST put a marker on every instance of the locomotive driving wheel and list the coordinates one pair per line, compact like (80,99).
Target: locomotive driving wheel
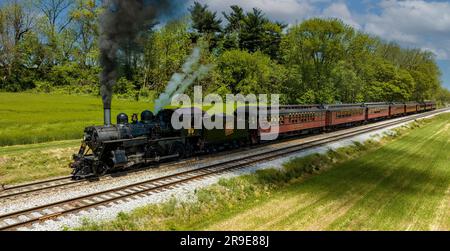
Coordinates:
(178,148)
(101,170)
(153,152)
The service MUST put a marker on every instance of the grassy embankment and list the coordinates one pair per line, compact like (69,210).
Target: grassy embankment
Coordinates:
(56,120)
(26,163)
(400,183)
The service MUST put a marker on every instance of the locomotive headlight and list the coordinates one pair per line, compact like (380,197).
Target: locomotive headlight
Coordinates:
(87,138)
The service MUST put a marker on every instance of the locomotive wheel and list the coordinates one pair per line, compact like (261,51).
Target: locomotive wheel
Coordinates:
(101,170)
(189,150)
(154,152)
(178,148)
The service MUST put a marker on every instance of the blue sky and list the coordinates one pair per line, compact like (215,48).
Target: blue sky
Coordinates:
(412,23)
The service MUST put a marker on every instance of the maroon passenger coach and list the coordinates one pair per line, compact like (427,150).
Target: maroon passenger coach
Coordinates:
(411,107)
(397,109)
(299,119)
(345,114)
(430,105)
(377,111)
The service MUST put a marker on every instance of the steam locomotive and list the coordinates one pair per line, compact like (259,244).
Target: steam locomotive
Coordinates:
(152,139)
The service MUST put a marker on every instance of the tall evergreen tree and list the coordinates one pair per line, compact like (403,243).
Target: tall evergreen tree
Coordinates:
(253,30)
(235,19)
(204,20)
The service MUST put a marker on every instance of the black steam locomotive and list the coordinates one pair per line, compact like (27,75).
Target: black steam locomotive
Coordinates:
(107,148)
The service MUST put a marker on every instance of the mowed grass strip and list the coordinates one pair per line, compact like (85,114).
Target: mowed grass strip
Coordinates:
(27,163)
(27,118)
(403,185)
(400,183)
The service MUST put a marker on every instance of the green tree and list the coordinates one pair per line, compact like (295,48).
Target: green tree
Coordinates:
(16,22)
(234,28)
(420,64)
(165,52)
(391,84)
(204,20)
(443,96)
(314,48)
(86,17)
(252,34)
(427,76)
(235,19)
(206,23)
(349,86)
(242,72)
(253,31)
(55,29)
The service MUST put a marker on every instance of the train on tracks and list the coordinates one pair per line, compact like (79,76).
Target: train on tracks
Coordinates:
(152,139)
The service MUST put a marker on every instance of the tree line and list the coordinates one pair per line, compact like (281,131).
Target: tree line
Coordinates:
(51,46)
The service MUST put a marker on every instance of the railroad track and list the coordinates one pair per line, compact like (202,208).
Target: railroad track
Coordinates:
(28,188)
(48,185)
(27,217)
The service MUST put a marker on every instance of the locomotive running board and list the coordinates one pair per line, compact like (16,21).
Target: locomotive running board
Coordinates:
(143,139)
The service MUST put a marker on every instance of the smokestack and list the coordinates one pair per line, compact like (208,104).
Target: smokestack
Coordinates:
(107,116)
(120,24)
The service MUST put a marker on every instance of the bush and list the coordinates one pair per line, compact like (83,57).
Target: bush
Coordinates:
(43,86)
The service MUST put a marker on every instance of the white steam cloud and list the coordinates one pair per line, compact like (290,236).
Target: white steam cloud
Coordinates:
(180,82)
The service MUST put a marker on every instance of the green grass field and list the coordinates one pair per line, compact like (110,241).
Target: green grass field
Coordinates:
(27,163)
(402,183)
(27,118)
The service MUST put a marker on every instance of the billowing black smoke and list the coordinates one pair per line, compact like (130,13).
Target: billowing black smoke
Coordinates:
(120,25)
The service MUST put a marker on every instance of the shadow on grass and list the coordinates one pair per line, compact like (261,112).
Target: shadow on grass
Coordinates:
(387,176)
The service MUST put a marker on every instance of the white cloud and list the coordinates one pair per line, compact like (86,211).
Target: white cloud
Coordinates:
(414,23)
(288,11)
(341,11)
